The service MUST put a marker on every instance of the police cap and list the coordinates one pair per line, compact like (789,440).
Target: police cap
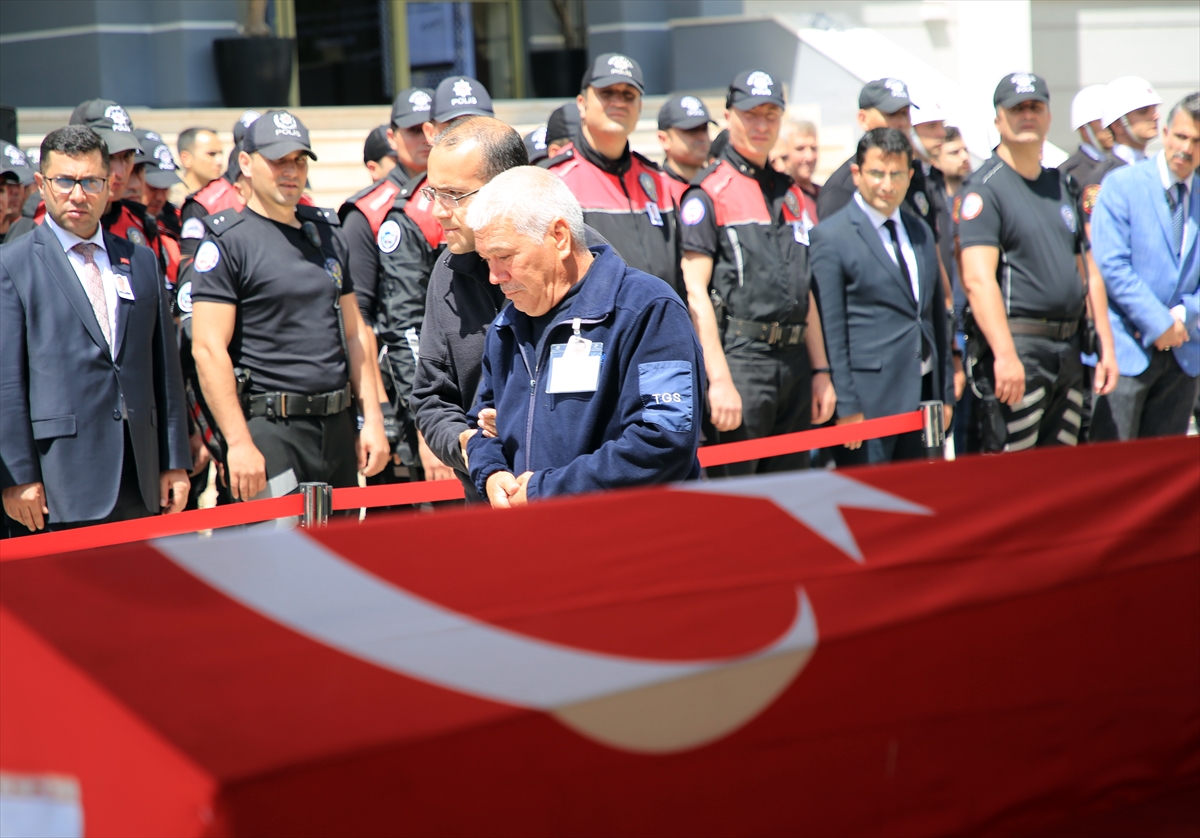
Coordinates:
(411,107)
(460,96)
(535,144)
(613,68)
(684,113)
(752,88)
(563,123)
(275,134)
(160,165)
(886,95)
(110,121)
(244,121)
(14,162)
(1016,88)
(377,146)
(234,170)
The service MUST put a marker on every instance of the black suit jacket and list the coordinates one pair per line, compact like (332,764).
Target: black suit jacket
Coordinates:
(63,397)
(873,326)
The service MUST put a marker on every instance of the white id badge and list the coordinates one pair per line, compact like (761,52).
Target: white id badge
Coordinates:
(655,215)
(124,289)
(575,366)
(800,232)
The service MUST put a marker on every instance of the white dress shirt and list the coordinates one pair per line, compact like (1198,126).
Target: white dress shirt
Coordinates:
(906,248)
(68,240)
(1128,153)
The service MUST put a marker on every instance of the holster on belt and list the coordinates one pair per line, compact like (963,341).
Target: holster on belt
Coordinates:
(977,363)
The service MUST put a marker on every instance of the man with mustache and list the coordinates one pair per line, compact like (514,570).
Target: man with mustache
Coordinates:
(1144,229)
(1021,262)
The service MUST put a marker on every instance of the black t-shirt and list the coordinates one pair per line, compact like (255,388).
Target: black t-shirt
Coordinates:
(286,333)
(1035,225)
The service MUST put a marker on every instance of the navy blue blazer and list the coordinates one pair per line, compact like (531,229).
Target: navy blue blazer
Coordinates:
(62,396)
(873,326)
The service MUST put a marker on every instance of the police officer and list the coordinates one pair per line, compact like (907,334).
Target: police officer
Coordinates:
(683,134)
(455,98)
(535,145)
(1021,249)
(160,175)
(162,230)
(219,194)
(406,134)
(1130,111)
(378,155)
(562,128)
(625,197)
(745,244)
(280,347)
(1095,141)
(15,175)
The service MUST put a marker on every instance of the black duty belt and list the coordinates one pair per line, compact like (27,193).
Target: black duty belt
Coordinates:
(1054,329)
(285,405)
(773,334)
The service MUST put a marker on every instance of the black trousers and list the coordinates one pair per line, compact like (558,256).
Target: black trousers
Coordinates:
(1051,412)
(776,390)
(1158,402)
(314,449)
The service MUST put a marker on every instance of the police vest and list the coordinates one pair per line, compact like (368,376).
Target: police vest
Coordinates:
(761,268)
(145,231)
(218,196)
(377,201)
(634,211)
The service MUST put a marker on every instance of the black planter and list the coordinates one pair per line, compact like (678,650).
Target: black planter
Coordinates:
(254,72)
(557,72)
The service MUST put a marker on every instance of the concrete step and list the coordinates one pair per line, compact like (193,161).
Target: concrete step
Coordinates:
(337,133)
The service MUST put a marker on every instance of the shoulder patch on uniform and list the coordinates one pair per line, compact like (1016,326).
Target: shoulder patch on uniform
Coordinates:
(957,206)
(193,228)
(922,203)
(221,221)
(320,214)
(666,391)
(1090,193)
(334,268)
(207,257)
(972,205)
(135,235)
(389,236)
(793,203)
(646,181)
(183,299)
(1068,217)
(692,212)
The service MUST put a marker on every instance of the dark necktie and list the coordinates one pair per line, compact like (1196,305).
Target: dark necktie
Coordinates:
(900,260)
(1176,198)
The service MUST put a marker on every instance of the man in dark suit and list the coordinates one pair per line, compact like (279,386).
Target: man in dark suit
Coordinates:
(882,302)
(92,418)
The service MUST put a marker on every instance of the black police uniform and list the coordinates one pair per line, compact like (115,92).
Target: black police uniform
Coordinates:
(287,339)
(1089,188)
(748,219)
(392,243)
(1039,234)
(1082,163)
(629,202)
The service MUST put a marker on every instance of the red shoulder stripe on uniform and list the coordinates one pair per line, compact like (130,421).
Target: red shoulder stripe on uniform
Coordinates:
(418,209)
(376,203)
(737,199)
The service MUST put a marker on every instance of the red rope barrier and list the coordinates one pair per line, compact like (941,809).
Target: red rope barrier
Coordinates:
(160,526)
(773,446)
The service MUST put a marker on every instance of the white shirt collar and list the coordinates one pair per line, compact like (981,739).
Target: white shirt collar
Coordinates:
(1128,153)
(1168,177)
(68,240)
(877,218)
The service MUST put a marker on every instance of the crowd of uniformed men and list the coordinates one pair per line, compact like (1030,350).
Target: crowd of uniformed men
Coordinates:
(316,345)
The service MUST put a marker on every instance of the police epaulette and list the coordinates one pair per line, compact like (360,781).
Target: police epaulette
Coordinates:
(649,163)
(558,158)
(219,222)
(705,172)
(327,216)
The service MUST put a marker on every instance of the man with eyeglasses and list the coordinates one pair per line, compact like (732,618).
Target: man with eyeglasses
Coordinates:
(625,197)
(746,265)
(882,302)
(1021,259)
(93,426)
(281,350)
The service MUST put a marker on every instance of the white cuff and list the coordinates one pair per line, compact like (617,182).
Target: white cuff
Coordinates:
(1179,313)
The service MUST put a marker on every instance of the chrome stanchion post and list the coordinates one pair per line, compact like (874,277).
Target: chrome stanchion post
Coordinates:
(933,432)
(318,502)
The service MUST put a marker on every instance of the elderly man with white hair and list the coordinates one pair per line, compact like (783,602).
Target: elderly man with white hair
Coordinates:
(593,367)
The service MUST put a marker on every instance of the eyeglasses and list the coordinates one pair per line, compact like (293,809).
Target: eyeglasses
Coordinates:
(877,176)
(90,185)
(444,198)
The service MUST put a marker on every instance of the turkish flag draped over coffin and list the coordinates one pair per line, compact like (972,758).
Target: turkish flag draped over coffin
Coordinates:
(982,645)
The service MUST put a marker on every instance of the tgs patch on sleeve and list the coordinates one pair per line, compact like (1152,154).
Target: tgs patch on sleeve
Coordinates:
(666,389)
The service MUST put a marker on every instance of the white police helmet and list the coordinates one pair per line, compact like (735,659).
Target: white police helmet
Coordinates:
(1087,106)
(1127,94)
